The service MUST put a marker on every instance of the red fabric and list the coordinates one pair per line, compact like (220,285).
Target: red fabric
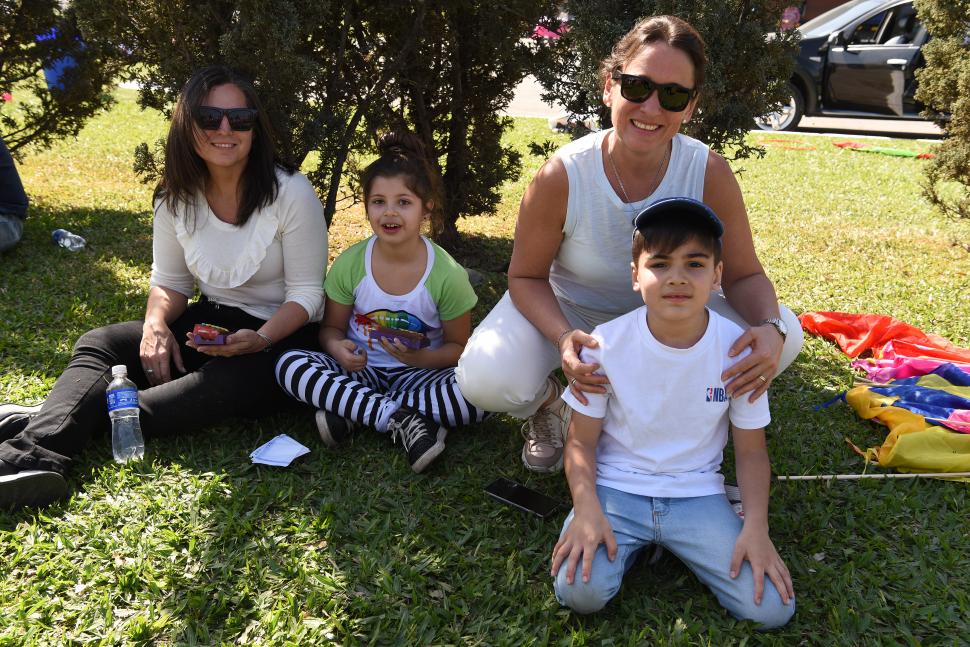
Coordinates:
(883,335)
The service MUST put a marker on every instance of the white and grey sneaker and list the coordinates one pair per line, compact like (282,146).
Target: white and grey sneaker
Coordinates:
(733,493)
(545,434)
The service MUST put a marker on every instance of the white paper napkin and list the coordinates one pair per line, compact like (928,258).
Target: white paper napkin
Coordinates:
(280,451)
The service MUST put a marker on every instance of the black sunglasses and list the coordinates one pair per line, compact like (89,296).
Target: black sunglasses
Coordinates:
(209,118)
(638,89)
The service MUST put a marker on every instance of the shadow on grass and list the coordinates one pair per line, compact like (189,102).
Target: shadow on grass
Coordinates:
(50,296)
(864,132)
(352,535)
(484,253)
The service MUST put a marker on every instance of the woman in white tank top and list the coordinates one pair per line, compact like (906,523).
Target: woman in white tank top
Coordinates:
(571,257)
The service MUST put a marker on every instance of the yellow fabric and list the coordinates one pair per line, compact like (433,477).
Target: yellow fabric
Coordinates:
(913,445)
(933,381)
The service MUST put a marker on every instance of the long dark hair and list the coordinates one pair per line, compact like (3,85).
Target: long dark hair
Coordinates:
(670,30)
(186,174)
(402,154)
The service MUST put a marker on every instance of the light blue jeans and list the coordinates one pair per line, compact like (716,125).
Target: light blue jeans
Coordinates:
(701,531)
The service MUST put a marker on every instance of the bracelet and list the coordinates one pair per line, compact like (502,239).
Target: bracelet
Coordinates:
(265,338)
(561,335)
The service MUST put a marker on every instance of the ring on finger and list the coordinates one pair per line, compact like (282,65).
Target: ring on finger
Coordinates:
(763,379)
(573,381)
(149,371)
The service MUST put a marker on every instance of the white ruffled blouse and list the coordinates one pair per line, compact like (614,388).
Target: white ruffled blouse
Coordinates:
(279,255)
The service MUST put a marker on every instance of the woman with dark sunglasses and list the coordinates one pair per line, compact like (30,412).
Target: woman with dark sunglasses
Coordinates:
(231,220)
(570,268)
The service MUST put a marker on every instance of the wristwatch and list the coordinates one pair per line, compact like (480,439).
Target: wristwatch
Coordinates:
(779,326)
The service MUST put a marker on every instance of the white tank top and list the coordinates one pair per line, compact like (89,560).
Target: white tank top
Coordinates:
(591,271)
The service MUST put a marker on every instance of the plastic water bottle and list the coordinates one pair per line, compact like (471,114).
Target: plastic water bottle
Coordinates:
(126,439)
(67,240)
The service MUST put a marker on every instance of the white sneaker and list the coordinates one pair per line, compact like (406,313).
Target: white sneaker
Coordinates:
(733,493)
(545,434)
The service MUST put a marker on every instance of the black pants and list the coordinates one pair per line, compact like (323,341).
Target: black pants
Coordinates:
(13,200)
(213,389)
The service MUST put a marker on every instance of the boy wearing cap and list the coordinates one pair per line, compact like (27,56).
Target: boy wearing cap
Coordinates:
(643,459)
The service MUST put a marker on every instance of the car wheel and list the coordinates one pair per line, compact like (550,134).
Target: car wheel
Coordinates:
(788,114)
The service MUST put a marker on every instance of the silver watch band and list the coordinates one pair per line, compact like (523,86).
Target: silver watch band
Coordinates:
(777,325)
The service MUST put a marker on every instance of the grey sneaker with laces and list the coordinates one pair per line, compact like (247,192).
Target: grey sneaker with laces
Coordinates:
(422,438)
(545,434)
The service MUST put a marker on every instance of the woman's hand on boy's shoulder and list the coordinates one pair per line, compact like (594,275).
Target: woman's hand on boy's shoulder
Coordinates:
(755,372)
(755,546)
(579,375)
(581,540)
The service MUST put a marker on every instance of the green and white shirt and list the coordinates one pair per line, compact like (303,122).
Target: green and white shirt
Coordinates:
(443,293)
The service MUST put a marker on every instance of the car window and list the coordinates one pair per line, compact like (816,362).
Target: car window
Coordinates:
(867,32)
(838,18)
(903,28)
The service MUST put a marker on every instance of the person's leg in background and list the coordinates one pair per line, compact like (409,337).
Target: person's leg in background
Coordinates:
(13,201)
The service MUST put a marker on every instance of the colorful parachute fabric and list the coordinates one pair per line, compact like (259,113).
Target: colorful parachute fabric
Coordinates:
(884,336)
(884,370)
(882,150)
(918,385)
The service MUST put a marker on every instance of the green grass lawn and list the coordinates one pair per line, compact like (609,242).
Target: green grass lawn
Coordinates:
(195,545)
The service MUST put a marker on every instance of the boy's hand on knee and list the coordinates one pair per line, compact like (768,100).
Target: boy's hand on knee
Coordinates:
(581,539)
(756,547)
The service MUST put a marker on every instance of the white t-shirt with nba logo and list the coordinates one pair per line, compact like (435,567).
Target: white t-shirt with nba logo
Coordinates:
(666,412)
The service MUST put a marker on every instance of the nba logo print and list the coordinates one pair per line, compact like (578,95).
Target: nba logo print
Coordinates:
(716,394)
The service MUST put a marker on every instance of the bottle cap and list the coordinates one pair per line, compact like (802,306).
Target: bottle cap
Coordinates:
(119,371)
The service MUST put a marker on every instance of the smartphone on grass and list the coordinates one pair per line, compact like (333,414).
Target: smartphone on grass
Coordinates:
(522,497)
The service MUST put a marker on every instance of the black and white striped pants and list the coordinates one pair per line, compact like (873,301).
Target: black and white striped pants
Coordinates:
(365,396)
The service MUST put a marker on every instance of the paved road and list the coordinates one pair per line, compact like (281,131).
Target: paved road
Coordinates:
(527,103)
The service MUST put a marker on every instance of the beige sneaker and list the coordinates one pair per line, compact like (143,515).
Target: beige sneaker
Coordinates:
(545,433)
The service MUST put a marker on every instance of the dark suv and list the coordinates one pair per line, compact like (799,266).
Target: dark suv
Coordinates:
(856,60)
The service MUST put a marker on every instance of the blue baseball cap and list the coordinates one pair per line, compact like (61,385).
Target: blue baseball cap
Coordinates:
(680,209)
